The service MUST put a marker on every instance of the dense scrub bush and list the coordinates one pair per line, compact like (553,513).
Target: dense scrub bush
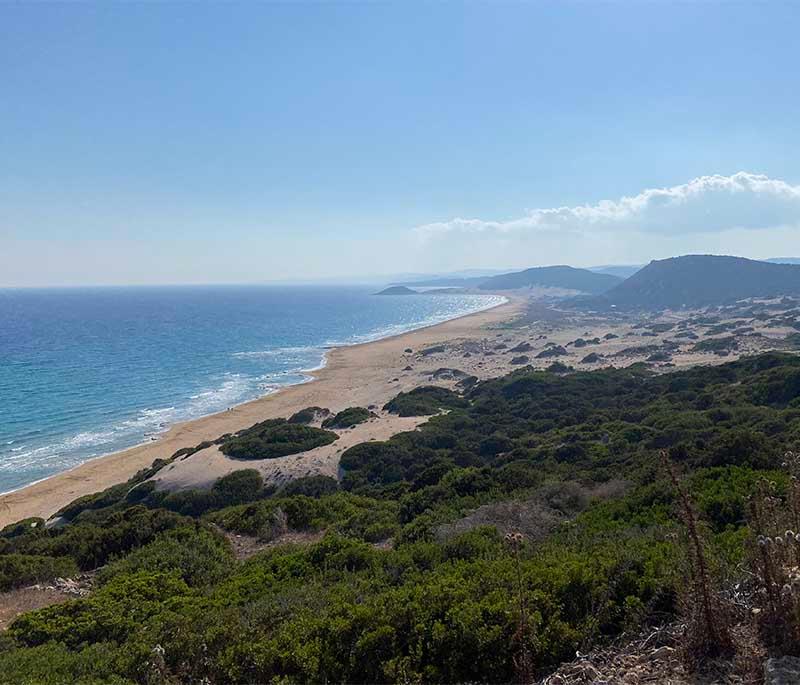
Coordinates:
(18,570)
(308,415)
(113,613)
(92,540)
(275,438)
(310,486)
(347,418)
(424,401)
(100,500)
(240,486)
(351,515)
(199,556)
(53,663)
(717,344)
(21,527)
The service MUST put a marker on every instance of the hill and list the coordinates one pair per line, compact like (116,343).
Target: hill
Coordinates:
(566,277)
(702,280)
(397,290)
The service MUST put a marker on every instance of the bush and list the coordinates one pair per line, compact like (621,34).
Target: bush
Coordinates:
(199,556)
(308,415)
(555,351)
(310,486)
(239,487)
(18,570)
(112,495)
(717,345)
(54,663)
(276,438)
(22,527)
(94,537)
(425,401)
(112,613)
(347,418)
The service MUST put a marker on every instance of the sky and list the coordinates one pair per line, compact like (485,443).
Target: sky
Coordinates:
(193,142)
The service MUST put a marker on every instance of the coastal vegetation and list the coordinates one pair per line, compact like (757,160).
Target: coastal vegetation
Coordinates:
(347,418)
(309,415)
(424,401)
(275,438)
(536,515)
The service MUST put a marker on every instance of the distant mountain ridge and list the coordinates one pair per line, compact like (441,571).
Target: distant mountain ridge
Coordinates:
(561,276)
(564,277)
(701,280)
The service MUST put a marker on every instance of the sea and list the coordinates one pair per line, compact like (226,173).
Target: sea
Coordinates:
(90,371)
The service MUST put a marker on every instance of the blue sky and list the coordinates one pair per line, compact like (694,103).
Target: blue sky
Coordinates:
(194,142)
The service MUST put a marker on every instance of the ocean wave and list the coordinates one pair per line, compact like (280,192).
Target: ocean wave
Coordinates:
(485,302)
(148,422)
(277,352)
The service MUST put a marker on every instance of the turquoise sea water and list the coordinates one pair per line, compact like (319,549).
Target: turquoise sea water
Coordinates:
(88,371)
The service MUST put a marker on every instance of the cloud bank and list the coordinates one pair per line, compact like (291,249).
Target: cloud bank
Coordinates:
(705,205)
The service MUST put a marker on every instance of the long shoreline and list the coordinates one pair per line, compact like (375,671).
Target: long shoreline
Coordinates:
(46,496)
(308,377)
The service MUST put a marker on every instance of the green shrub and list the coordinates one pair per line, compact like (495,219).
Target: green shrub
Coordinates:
(240,486)
(112,495)
(94,537)
(424,401)
(111,614)
(307,415)
(275,438)
(53,663)
(199,556)
(717,345)
(310,486)
(18,570)
(347,418)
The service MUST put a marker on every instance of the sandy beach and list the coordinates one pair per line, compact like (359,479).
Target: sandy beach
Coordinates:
(357,375)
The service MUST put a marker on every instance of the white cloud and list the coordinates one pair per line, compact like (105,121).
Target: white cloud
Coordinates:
(708,204)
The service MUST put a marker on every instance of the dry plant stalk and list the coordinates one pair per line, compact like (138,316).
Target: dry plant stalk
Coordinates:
(523,662)
(707,630)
